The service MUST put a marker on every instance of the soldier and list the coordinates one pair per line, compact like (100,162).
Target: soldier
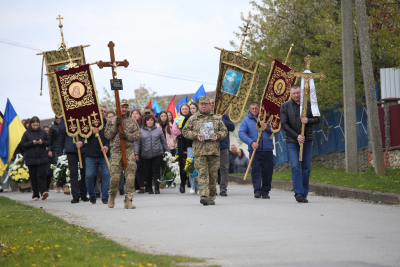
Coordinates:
(205,152)
(131,134)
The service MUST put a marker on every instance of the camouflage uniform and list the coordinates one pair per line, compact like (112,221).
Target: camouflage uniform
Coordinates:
(133,134)
(206,153)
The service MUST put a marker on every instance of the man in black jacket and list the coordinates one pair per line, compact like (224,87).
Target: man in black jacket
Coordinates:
(94,160)
(68,146)
(291,124)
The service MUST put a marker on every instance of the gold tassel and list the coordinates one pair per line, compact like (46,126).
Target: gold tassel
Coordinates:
(85,140)
(272,136)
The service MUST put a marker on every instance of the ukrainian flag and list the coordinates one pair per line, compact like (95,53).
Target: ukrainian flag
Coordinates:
(200,92)
(11,134)
(178,106)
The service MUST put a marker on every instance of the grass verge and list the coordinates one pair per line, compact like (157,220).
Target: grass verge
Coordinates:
(368,180)
(31,237)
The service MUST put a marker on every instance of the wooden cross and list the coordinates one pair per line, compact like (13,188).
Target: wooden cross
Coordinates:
(307,77)
(113,64)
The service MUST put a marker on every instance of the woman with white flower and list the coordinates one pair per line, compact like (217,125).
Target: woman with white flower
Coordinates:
(34,141)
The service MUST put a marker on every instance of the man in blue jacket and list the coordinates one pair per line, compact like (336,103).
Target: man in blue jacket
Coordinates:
(262,165)
(95,160)
(70,148)
(224,152)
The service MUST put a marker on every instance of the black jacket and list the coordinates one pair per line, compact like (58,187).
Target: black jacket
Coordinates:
(66,143)
(290,118)
(35,154)
(54,136)
(93,145)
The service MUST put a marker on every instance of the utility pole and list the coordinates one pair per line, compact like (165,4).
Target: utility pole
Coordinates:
(370,97)
(349,92)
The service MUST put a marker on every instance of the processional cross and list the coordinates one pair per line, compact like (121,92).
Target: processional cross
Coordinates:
(307,77)
(240,51)
(113,64)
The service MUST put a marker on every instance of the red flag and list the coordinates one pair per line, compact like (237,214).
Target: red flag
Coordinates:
(1,120)
(171,107)
(150,104)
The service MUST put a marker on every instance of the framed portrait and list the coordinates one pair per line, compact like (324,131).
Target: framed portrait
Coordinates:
(206,130)
(231,82)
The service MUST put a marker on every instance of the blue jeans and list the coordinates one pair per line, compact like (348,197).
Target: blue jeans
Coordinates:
(92,164)
(193,183)
(300,169)
(261,171)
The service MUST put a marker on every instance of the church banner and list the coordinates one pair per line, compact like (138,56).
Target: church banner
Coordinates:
(235,79)
(276,92)
(78,99)
(56,60)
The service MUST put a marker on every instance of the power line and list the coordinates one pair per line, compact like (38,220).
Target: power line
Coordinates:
(151,72)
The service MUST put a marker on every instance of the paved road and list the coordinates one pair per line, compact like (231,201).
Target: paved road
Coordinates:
(243,231)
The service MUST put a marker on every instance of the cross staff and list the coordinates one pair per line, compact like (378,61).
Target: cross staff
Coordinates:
(113,64)
(307,77)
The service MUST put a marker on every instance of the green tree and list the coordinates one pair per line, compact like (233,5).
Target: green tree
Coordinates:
(314,27)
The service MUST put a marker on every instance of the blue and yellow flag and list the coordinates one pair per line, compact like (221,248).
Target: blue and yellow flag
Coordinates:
(11,134)
(200,92)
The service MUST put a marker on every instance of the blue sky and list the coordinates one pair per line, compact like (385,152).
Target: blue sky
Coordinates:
(173,37)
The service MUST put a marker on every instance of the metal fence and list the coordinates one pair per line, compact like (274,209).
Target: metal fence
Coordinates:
(329,135)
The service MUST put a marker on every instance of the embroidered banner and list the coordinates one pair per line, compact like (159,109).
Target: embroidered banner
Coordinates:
(276,92)
(56,60)
(235,79)
(79,102)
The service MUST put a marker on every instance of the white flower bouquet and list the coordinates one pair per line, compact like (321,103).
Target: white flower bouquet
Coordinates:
(170,173)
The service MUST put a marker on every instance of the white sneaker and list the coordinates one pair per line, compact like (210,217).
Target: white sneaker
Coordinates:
(35,199)
(191,191)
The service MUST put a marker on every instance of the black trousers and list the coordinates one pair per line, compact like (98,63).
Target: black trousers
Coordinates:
(78,188)
(37,174)
(182,163)
(140,174)
(152,167)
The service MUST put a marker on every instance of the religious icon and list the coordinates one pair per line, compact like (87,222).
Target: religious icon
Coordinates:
(206,130)
(232,81)
(279,87)
(76,90)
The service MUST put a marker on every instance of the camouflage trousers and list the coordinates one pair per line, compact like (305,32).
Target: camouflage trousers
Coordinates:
(130,172)
(207,168)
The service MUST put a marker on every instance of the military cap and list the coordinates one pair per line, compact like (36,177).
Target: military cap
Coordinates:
(124,102)
(204,99)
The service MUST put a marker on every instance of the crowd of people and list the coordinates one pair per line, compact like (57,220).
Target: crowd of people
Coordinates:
(147,137)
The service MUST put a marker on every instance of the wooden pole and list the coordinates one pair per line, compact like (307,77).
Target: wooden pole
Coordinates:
(252,156)
(79,153)
(104,154)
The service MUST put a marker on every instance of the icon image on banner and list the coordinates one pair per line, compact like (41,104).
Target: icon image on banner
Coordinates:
(76,90)
(279,87)
(232,81)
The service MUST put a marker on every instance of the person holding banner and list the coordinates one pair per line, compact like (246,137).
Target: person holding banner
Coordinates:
(68,146)
(131,134)
(262,166)
(291,124)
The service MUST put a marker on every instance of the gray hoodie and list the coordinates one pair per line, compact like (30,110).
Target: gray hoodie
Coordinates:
(241,164)
(152,144)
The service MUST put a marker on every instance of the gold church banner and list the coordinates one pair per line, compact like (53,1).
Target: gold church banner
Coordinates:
(56,60)
(235,79)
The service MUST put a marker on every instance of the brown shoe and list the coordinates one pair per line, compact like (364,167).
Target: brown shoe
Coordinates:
(45,195)
(111,202)
(129,205)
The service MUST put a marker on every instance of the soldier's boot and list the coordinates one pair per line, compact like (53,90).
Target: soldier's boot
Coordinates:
(129,205)
(111,202)
(211,202)
(204,201)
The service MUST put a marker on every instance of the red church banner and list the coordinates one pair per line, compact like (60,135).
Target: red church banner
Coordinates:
(79,102)
(276,92)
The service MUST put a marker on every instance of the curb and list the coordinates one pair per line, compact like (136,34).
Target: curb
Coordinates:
(332,191)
